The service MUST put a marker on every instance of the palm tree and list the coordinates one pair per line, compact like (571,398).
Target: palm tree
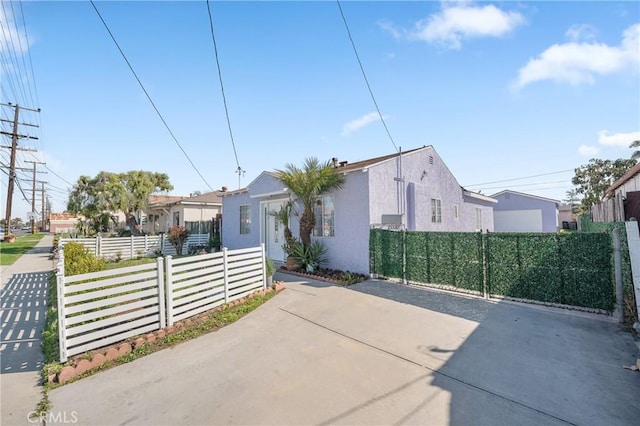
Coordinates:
(307,184)
(636,153)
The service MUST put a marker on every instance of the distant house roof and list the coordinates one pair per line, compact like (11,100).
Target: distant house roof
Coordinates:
(623,179)
(522,194)
(209,198)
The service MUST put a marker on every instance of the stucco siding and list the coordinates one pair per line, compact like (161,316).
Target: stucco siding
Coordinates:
(231,237)
(349,248)
(266,183)
(195,214)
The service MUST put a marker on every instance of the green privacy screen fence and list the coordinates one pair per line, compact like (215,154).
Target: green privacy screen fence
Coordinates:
(570,269)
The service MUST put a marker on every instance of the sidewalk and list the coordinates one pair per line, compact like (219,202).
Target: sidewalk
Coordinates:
(23,293)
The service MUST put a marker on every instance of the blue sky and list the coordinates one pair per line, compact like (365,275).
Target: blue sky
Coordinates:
(502,90)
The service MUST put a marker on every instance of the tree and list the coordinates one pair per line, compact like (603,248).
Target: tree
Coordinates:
(636,153)
(96,197)
(177,236)
(592,180)
(307,184)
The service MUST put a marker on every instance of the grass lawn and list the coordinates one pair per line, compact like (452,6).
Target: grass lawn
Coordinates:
(10,252)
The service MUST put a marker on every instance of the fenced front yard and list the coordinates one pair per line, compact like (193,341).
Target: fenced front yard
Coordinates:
(101,308)
(132,247)
(566,269)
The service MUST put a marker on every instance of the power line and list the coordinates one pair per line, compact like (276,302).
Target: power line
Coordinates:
(24,63)
(520,178)
(26,37)
(526,184)
(149,97)
(224,98)
(366,80)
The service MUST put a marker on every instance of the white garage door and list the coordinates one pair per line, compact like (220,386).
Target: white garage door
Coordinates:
(518,221)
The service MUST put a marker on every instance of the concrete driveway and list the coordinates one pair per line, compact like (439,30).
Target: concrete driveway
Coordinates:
(374,353)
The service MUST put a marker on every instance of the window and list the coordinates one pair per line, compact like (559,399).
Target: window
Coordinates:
(176,219)
(324,213)
(436,211)
(456,211)
(245,219)
(478,219)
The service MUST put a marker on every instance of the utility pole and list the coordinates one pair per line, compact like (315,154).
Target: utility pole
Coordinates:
(44,210)
(12,164)
(33,196)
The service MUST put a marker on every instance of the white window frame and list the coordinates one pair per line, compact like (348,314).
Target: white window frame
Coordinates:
(478,219)
(436,210)
(245,222)
(325,225)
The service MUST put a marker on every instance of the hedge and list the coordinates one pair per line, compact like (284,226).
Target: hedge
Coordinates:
(573,269)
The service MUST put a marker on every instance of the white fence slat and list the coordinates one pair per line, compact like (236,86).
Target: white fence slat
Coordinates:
(179,303)
(109,321)
(240,270)
(209,279)
(109,273)
(238,284)
(92,285)
(187,277)
(99,334)
(247,256)
(251,274)
(177,268)
(76,319)
(132,290)
(111,301)
(112,339)
(204,308)
(245,250)
(199,258)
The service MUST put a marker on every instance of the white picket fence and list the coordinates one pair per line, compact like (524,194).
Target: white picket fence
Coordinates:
(132,247)
(101,308)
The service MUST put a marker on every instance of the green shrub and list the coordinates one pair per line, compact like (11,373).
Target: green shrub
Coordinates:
(77,260)
(312,256)
(270,269)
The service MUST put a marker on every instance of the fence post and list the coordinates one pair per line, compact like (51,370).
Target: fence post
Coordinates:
(633,240)
(161,293)
(264,266)
(226,275)
(168,292)
(617,264)
(131,244)
(146,244)
(404,256)
(98,245)
(62,331)
(484,259)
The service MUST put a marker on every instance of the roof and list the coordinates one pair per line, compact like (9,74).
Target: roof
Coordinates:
(522,194)
(371,161)
(214,197)
(623,179)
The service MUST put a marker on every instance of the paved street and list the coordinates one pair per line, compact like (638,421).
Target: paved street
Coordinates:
(22,315)
(375,353)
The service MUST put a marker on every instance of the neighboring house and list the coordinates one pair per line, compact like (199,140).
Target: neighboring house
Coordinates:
(519,212)
(622,199)
(63,222)
(428,198)
(567,217)
(194,212)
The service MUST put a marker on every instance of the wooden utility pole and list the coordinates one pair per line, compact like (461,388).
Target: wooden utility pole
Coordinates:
(12,163)
(33,196)
(44,210)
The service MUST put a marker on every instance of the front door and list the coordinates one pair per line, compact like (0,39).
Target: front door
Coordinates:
(273,231)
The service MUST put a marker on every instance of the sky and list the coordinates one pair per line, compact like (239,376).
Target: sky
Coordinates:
(512,95)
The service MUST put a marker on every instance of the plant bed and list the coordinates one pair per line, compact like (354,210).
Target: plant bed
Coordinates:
(328,275)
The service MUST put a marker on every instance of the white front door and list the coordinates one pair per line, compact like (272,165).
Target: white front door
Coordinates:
(273,230)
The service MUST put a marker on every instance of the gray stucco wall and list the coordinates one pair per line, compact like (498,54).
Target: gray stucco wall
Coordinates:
(231,237)
(516,201)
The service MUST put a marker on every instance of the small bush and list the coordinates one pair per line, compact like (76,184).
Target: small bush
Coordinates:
(312,256)
(177,236)
(270,269)
(77,260)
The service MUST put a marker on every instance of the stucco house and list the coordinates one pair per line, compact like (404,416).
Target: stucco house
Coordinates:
(413,189)
(194,212)
(520,212)
(63,222)
(622,200)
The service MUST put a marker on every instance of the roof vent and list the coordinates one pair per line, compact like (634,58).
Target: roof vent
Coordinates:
(343,163)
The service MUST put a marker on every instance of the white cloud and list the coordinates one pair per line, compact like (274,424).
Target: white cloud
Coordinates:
(588,150)
(361,122)
(617,139)
(577,63)
(458,22)
(581,32)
